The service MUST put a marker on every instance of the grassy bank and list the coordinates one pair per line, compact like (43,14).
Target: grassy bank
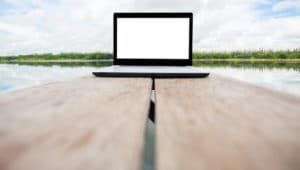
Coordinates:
(250,55)
(250,64)
(61,57)
(291,55)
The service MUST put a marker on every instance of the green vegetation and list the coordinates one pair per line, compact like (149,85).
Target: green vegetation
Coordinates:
(62,56)
(250,55)
(66,64)
(96,56)
(238,59)
(294,65)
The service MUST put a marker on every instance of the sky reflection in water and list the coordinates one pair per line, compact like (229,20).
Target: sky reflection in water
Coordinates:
(285,80)
(14,76)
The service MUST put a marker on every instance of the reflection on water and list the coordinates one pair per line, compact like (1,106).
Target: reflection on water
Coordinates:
(285,80)
(14,76)
(295,65)
(282,76)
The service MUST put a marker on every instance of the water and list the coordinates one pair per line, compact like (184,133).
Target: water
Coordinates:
(15,77)
(281,77)
(284,80)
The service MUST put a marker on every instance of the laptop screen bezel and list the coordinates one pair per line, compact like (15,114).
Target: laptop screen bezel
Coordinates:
(154,62)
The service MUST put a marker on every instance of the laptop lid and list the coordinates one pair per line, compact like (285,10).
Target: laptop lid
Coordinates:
(153,39)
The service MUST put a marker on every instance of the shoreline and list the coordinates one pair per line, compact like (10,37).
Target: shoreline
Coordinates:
(194,60)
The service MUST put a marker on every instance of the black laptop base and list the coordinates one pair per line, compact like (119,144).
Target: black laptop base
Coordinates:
(150,75)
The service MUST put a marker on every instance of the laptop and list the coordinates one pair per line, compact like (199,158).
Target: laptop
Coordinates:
(156,45)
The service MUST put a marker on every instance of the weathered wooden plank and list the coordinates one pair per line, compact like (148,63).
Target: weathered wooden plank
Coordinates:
(85,123)
(220,123)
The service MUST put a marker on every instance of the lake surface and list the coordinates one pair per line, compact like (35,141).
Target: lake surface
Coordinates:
(283,77)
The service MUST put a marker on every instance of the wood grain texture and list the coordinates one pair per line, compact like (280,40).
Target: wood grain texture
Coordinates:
(219,123)
(86,123)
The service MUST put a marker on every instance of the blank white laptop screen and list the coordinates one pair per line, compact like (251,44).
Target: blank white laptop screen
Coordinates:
(153,38)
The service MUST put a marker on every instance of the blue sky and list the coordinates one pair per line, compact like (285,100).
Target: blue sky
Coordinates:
(43,26)
(279,8)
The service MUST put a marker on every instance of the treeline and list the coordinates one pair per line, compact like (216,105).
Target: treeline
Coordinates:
(61,56)
(67,64)
(249,64)
(261,54)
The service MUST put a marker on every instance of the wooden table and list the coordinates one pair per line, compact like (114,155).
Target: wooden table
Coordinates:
(222,124)
(99,123)
(87,123)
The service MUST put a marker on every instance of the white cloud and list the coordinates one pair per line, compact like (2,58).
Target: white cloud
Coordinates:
(36,26)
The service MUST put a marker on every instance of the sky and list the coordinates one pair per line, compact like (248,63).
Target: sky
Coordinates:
(55,26)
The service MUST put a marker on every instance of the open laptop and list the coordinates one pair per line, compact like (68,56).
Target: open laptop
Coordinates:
(156,45)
